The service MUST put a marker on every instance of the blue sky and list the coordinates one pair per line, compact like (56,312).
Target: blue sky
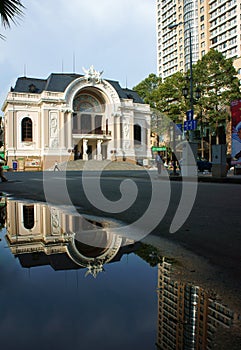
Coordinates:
(118,37)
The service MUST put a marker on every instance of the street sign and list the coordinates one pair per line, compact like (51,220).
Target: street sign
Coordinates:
(190,125)
(156,149)
(187,125)
(189,114)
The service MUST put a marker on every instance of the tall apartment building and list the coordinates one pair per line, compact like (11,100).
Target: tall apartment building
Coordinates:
(210,24)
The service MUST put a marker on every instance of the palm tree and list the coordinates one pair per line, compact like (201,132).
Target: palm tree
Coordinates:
(9,11)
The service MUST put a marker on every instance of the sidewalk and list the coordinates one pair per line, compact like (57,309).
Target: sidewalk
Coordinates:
(126,169)
(230,178)
(203,177)
(207,177)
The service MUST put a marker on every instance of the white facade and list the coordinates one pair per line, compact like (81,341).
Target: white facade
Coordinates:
(71,116)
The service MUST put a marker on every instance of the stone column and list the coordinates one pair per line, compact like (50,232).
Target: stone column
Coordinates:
(99,155)
(85,147)
(62,142)
(68,130)
(45,130)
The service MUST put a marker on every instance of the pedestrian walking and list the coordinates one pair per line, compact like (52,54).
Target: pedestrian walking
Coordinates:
(56,167)
(159,162)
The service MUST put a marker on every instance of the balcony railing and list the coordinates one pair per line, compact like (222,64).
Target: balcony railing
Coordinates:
(91,132)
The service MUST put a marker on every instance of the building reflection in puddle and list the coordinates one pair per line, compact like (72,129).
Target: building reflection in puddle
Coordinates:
(40,234)
(188,316)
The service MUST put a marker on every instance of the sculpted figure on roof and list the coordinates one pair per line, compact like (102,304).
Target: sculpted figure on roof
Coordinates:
(93,75)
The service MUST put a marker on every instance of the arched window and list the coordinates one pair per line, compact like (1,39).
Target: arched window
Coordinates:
(137,134)
(98,124)
(27,129)
(86,124)
(87,103)
(28,216)
(88,113)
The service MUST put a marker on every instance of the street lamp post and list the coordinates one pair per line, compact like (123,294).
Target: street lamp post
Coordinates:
(201,131)
(185,92)
(191,75)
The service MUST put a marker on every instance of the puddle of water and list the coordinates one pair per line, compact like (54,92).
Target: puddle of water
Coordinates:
(67,280)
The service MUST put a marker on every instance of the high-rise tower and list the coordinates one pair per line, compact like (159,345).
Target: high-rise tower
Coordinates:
(210,23)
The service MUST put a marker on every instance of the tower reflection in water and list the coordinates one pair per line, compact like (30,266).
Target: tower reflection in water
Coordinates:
(39,234)
(188,316)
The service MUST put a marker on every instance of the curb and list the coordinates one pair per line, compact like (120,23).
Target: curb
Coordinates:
(210,179)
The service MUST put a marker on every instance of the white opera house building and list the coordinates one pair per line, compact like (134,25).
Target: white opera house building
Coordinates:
(73,116)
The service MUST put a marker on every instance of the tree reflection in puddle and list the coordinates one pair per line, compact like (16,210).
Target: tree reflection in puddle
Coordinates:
(40,235)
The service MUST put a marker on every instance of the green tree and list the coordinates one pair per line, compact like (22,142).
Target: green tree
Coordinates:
(165,98)
(10,10)
(215,76)
(218,82)
(149,253)
(147,89)
(170,99)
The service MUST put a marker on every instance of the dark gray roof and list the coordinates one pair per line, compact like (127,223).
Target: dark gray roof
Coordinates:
(23,85)
(58,82)
(133,95)
(125,93)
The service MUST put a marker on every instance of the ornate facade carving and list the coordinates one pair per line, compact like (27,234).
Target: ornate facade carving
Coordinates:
(53,130)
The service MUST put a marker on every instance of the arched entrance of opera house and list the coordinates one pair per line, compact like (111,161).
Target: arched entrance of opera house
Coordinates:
(90,124)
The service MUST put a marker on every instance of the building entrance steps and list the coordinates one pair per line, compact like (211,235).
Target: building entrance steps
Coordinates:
(75,165)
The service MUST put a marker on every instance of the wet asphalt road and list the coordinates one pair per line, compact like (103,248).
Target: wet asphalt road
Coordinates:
(212,230)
